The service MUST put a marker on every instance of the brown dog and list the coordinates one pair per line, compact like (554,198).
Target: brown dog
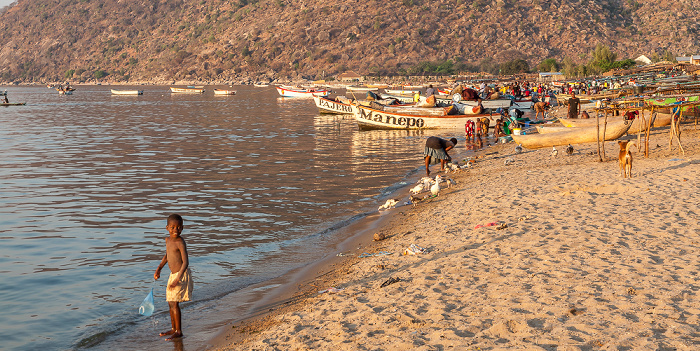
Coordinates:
(625,158)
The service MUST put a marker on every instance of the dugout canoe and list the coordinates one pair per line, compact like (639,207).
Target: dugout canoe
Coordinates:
(13,104)
(660,120)
(370,118)
(572,136)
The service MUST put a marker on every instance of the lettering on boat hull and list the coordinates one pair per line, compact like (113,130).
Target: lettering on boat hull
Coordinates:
(390,120)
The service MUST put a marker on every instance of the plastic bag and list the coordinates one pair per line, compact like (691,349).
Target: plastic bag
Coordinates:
(147,307)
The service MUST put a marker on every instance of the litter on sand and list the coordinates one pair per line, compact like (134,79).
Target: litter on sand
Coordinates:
(331,290)
(390,281)
(486,225)
(380,253)
(414,250)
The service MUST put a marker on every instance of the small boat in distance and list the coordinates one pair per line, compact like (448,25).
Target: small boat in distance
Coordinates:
(187,90)
(301,92)
(224,92)
(260,85)
(126,92)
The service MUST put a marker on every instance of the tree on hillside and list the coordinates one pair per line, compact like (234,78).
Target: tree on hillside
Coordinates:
(515,67)
(603,59)
(548,65)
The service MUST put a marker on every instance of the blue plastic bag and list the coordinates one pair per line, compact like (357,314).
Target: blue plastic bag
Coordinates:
(147,307)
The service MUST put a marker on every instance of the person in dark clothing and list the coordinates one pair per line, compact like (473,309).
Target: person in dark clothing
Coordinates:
(574,104)
(430,91)
(437,148)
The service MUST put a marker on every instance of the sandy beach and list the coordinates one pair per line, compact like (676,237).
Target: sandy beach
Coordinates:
(550,253)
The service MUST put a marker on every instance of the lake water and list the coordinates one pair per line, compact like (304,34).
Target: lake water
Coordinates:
(87,181)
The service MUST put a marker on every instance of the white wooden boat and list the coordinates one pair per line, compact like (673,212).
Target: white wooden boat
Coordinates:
(326,105)
(413,87)
(572,136)
(356,88)
(187,90)
(370,118)
(493,104)
(301,92)
(260,85)
(523,104)
(126,92)
(402,91)
(224,92)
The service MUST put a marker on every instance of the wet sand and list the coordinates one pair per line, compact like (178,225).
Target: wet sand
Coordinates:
(578,258)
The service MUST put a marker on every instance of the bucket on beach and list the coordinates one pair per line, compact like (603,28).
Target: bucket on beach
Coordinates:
(516,131)
(147,307)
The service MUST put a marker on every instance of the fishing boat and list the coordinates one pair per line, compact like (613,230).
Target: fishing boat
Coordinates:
(12,103)
(360,88)
(260,85)
(326,105)
(187,90)
(659,120)
(126,92)
(373,118)
(492,104)
(402,91)
(64,92)
(572,136)
(224,92)
(285,92)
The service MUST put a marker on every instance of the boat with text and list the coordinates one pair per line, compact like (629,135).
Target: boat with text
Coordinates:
(378,117)
(326,105)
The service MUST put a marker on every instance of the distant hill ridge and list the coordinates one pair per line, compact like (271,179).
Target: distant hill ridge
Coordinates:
(216,40)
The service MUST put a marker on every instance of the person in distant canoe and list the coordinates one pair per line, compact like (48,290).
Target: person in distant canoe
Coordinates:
(437,148)
(574,105)
(430,91)
(5,100)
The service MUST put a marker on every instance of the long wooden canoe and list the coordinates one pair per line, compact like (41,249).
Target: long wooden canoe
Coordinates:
(224,92)
(13,103)
(370,118)
(661,120)
(613,131)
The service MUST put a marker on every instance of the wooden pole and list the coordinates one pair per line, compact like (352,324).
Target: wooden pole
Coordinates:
(597,134)
(605,127)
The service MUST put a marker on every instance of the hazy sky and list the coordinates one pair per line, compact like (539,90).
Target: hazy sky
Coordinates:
(4,3)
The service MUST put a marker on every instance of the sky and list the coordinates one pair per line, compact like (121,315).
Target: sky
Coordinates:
(4,3)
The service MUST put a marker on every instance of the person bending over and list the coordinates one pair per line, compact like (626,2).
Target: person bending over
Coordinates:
(437,148)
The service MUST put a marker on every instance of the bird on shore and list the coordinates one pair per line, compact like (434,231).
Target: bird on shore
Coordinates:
(569,150)
(519,148)
(451,182)
(435,188)
(508,161)
(554,151)
(415,200)
(388,204)
(417,189)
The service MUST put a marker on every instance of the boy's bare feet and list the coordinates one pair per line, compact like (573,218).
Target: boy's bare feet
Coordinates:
(169,332)
(174,336)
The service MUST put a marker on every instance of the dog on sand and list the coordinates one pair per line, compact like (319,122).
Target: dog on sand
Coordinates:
(625,158)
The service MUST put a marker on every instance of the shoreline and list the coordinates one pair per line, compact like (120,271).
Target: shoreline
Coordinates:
(538,282)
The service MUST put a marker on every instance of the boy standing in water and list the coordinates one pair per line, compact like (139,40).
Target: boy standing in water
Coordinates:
(179,287)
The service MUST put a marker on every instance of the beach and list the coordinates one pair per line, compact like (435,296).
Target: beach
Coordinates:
(545,253)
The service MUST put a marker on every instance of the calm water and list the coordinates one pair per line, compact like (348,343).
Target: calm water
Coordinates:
(86,182)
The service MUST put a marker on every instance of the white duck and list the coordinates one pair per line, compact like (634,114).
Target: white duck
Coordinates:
(435,188)
(417,189)
(388,204)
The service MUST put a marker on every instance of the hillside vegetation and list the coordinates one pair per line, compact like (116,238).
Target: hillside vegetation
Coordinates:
(216,40)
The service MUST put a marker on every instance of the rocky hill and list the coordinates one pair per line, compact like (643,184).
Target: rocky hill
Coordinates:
(217,40)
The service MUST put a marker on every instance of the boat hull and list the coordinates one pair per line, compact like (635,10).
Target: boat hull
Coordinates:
(661,120)
(224,92)
(126,92)
(573,136)
(330,106)
(13,104)
(369,118)
(301,93)
(187,90)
